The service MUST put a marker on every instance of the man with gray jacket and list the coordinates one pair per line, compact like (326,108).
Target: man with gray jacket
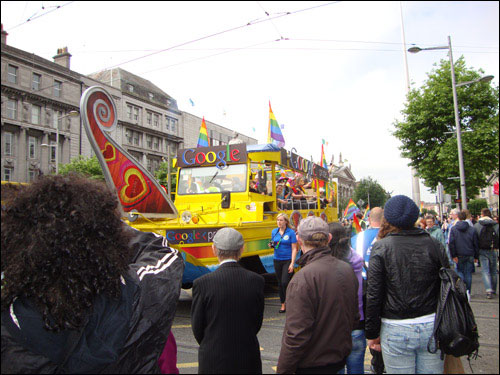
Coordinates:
(321,307)
(487,231)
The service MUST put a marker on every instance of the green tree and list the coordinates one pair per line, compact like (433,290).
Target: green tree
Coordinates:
(378,195)
(343,202)
(89,167)
(425,211)
(161,175)
(429,114)
(475,206)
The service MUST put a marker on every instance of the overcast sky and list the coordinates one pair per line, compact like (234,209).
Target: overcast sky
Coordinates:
(332,70)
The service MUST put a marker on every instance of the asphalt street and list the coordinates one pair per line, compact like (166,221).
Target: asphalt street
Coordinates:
(486,313)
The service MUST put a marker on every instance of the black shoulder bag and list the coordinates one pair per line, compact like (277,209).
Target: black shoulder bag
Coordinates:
(455,329)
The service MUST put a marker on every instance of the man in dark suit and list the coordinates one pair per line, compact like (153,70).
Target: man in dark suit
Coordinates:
(227,311)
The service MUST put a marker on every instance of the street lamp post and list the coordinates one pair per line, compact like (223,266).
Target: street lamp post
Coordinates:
(463,193)
(59,120)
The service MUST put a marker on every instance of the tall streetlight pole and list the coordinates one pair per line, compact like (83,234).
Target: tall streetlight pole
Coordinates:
(59,121)
(463,193)
(415,181)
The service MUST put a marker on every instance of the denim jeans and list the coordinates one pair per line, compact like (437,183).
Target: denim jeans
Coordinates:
(355,362)
(464,269)
(404,348)
(489,269)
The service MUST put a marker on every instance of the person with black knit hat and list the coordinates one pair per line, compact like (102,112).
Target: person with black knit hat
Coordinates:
(403,290)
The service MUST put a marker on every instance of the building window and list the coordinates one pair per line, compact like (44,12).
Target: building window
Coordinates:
(130,87)
(148,164)
(32,147)
(129,112)
(149,118)
(173,122)
(12,109)
(167,122)
(156,120)
(31,175)
(136,138)
(57,89)
(136,114)
(156,143)
(7,144)
(36,111)
(55,119)
(8,173)
(128,135)
(35,83)
(149,141)
(12,74)
(52,154)
(151,96)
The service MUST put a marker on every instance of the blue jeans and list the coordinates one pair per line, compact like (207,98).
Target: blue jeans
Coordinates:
(464,269)
(404,349)
(355,363)
(488,260)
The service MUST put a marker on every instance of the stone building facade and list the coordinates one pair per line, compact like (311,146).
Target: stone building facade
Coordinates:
(346,181)
(38,95)
(149,121)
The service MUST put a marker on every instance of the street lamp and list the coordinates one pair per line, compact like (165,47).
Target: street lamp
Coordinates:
(454,86)
(59,120)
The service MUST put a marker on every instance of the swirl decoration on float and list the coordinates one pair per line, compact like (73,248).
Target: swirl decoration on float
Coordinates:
(136,188)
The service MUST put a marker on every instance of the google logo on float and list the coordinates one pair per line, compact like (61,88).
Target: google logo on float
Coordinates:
(206,156)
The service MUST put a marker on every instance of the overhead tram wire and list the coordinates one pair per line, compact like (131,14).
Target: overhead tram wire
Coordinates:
(41,15)
(272,23)
(251,23)
(215,54)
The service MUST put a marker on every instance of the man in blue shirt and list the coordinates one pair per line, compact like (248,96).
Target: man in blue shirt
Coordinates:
(362,243)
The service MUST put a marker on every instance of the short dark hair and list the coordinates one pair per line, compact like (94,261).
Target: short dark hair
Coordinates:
(462,215)
(486,212)
(318,240)
(430,217)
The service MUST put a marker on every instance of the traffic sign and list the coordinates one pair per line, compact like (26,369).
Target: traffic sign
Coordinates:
(459,200)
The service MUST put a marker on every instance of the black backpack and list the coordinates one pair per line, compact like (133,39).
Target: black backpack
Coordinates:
(488,239)
(455,329)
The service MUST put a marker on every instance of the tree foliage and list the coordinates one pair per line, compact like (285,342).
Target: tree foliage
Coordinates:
(89,167)
(429,114)
(378,195)
(161,175)
(475,206)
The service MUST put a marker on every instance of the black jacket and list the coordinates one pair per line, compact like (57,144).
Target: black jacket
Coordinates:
(463,240)
(121,336)
(226,315)
(403,278)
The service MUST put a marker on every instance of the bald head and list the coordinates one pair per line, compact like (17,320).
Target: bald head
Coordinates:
(376,215)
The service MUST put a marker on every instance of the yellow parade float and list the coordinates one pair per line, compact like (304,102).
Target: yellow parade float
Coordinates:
(214,189)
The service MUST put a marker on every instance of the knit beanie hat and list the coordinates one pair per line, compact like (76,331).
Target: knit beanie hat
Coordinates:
(401,212)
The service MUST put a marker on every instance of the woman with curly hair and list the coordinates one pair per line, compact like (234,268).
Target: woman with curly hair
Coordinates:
(81,291)
(403,291)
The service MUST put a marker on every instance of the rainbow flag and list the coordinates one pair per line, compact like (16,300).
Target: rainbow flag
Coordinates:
(356,227)
(323,159)
(203,137)
(367,213)
(274,134)
(421,206)
(350,210)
